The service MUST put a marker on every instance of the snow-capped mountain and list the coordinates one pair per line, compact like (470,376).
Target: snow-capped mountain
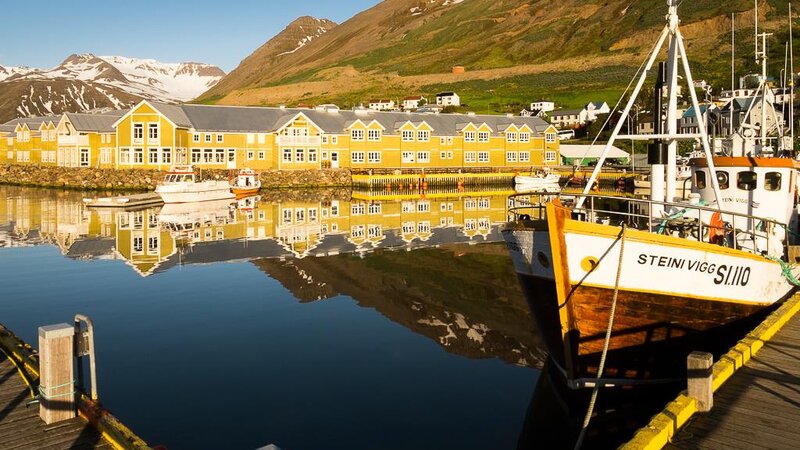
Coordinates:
(86,81)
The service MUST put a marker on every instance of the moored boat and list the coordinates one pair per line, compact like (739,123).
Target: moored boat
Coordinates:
(246,183)
(541,181)
(640,283)
(180,186)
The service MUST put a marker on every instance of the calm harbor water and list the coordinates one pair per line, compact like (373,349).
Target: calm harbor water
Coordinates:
(303,319)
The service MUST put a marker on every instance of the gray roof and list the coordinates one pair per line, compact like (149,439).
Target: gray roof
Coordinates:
(100,123)
(566,112)
(174,113)
(33,122)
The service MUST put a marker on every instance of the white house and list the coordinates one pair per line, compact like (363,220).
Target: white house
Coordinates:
(413,102)
(448,99)
(568,118)
(381,105)
(543,105)
(593,109)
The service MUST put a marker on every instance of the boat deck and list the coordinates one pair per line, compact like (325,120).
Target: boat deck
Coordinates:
(21,427)
(757,408)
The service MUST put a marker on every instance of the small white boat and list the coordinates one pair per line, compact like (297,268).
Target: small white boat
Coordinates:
(683,173)
(540,181)
(246,183)
(180,218)
(180,186)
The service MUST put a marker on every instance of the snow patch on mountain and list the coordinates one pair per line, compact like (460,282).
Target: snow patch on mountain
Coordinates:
(314,33)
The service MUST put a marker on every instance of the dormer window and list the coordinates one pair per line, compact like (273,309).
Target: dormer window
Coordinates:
(408,136)
(357,135)
(483,136)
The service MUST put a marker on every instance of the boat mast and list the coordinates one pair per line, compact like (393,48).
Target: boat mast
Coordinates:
(733,71)
(672,105)
(791,84)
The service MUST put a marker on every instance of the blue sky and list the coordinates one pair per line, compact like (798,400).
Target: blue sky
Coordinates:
(215,32)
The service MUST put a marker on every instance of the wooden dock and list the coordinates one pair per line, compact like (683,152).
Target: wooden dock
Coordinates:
(756,401)
(21,427)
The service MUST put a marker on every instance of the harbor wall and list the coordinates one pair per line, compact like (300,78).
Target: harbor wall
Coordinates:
(143,179)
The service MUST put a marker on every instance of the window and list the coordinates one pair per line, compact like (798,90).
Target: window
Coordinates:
(700,179)
(469,136)
(469,156)
(262,137)
(125,156)
(252,154)
(196,155)
(408,136)
(357,231)
(287,216)
(374,157)
(511,137)
(152,155)
(138,244)
(550,137)
(424,227)
(357,209)
(374,232)
(208,137)
(408,227)
(138,132)
(483,136)
(358,157)
(483,157)
(746,180)
(334,140)
(105,156)
(312,155)
(152,132)
(722,179)
(166,156)
(423,157)
(312,215)
(484,203)
(511,157)
(262,155)
(357,135)
(251,138)
(408,157)
(470,204)
(524,156)
(375,208)
(287,155)
(442,141)
(423,136)
(152,243)
(324,139)
(524,137)
(300,215)
(220,138)
(374,135)
(299,155)
(443,155)
(208,155)
(219,156)
(424,206)
(84,157)
(195,137)
(549,156)
(407,207)
(138,156)
(772,181)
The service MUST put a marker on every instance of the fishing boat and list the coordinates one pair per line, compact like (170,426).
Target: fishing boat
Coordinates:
(623,290)
(181,186)
(246,183)
(683,174)
(540,181)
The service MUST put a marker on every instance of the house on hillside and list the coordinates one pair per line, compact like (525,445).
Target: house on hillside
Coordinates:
(568,118)
(533,113)
(413,102)
(381,104)
(594,109)
(689,123)
(543,105)
(448,98)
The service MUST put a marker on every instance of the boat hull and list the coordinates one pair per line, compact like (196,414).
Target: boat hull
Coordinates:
(195,192)
(674,296)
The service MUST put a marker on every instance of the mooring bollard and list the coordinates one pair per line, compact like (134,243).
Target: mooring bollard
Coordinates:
(699,374)
(56,383)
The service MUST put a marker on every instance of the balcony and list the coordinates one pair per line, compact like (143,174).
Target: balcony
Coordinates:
(303,141)
(66,139)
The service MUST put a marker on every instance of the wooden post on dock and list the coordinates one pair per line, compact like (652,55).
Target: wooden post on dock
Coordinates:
(56,383)
(699,379)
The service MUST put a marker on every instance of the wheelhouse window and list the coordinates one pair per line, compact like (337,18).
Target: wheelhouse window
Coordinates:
(700,179)
(772,181)
(722,179)
(746,180)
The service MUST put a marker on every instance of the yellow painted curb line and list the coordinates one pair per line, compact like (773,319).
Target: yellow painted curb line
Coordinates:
(665,425)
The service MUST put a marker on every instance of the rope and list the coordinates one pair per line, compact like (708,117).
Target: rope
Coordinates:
(46,395)
(600,368)
(786,270)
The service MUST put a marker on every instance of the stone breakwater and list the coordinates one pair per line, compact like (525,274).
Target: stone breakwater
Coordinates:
(140,179)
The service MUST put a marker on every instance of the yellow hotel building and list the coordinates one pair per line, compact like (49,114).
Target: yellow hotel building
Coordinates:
(154,135)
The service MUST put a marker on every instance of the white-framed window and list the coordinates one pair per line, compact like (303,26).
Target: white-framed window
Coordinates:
(251,154)
(208,155)
(138,133)
(125,156)
(424,226)
(287,155)
(423,157)
(312,155)
(469,157)
(334,140)
(152,132)
(524,156)
(152,155)
(262,137)
(220,137)
(219,156)
(511,137)
(152,243)
(299,155)
(138,244)
(469,136)
(196,155)
(484,203)
(483,157)
(262,155)
(442,140)
(10,155)
(449,154)
(312,215)
(358,157)
(166,155)
(374,157)
(423,136)
(443,155)
(208,137)
(549,156)
(324,139)
(375,208)
(374,135)
(357,231)
(483,136)
(424,206)
(138,156)
(408,157)
(374,231)
(511,157)
(251,138)
(105,156)
(408,207)
(524,137)
(408,136)
(357,135)
(409,227)
(550,137)
(358,209)
(470,204)
(300,215)
(287,215)
(196,137)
